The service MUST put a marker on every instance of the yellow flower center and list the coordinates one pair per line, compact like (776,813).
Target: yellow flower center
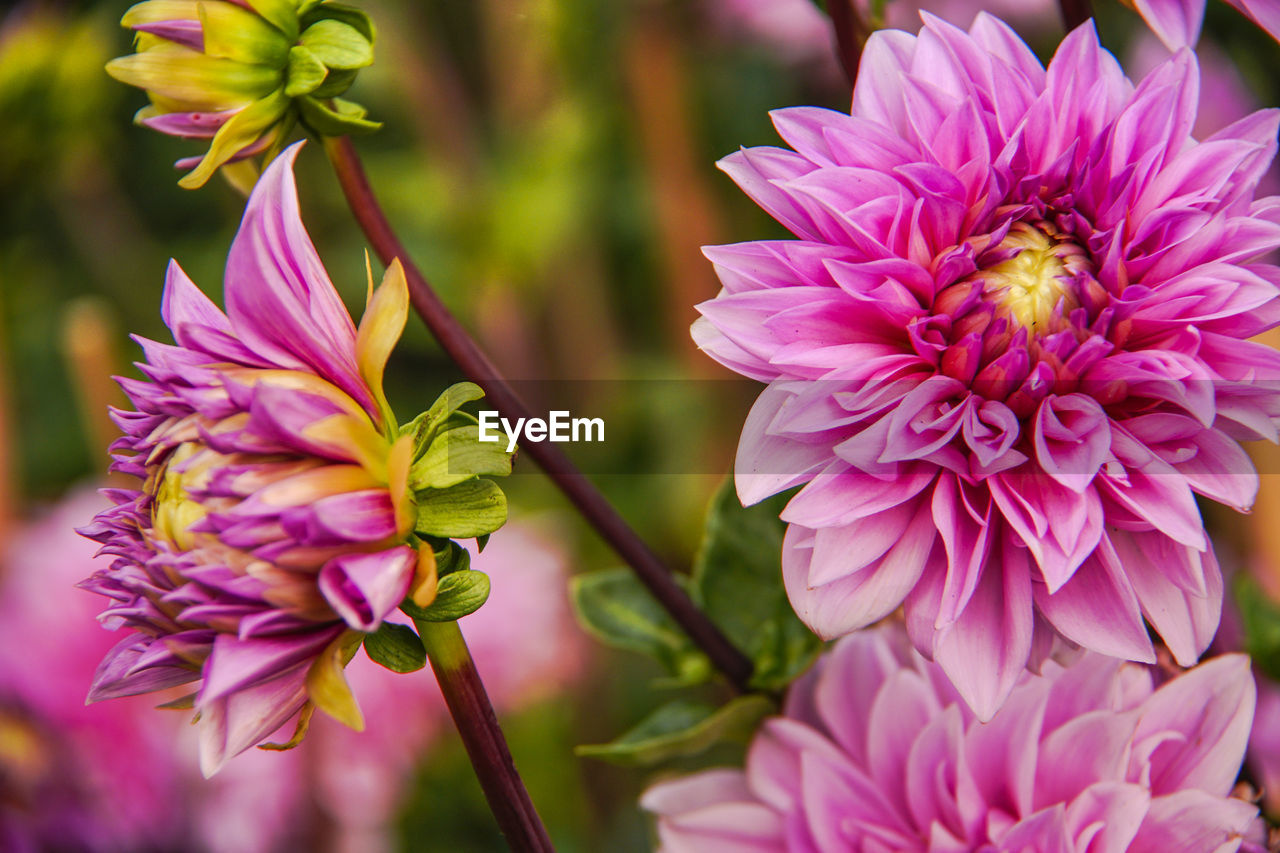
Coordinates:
(1029,287)
(173,511)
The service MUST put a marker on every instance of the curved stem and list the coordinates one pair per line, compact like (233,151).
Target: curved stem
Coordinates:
(469,706)
(1075,12)
(851,35)
(588,500)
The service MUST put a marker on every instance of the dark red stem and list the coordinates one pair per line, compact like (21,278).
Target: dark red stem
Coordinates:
(851,35)
(486,746)
(598,512)
(1075,12)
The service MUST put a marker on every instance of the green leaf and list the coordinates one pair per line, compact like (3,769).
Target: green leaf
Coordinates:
(681,728)
(614,607)
(396,647)
(335,117)
(1260,618)
(425,426)
(457,594)
(306,73)
(349,15)
(456,454)
(338,45)
(737,580)
(468,509)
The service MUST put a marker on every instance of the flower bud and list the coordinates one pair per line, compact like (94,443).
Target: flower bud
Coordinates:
(241,74)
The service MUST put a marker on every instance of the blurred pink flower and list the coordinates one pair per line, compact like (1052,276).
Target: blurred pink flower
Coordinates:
(875,752)
(95,778)
(798,31)
(1006,349)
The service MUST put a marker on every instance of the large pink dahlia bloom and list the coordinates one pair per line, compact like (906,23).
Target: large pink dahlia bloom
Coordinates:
(1006,349)
(270,530)
(876,753)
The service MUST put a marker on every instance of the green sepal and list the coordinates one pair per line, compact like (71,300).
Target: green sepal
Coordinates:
(233,32)
(335,84)
(456,453)
(681,728)
(482,541)
(470,508)
(349,15)
(283,15)
(737,581)
(305,74)
(425,426)
(338,45)
(457,594)
(396,647)
(1260,619)
(450,556)
(615,607)
(335,117)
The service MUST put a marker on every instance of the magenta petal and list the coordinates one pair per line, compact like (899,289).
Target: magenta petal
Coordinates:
(364,588)
(985,650)
(1106,816)
(1194,820)
(1265,13)
(1072,439)
(183,32)
(231,724)
(1209,711)
(867,596)
(1176,22)
(1098,609)
(279,297)
(189,125)
(236,665)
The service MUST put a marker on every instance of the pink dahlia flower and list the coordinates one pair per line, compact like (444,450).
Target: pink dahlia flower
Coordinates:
(875,752)
(1178,22)
(1006,350)
(270,531)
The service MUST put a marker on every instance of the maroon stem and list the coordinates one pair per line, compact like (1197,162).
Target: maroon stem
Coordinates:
(486,746)
(851,35)
(598,512)
(1075,12)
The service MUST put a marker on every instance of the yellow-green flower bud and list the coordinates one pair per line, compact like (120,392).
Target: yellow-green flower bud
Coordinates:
(241,73)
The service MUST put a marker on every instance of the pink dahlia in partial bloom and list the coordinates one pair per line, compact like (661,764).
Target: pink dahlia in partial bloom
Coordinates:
(876,753)
(270,530)
(1006,349)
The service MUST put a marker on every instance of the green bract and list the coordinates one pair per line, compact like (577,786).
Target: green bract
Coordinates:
(241,76)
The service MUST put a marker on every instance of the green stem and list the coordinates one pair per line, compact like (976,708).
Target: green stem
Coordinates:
(586,498)
(472,713)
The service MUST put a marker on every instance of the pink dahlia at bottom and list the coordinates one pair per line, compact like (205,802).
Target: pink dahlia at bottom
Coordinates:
(876,753)
(1006,350)
(270,529)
